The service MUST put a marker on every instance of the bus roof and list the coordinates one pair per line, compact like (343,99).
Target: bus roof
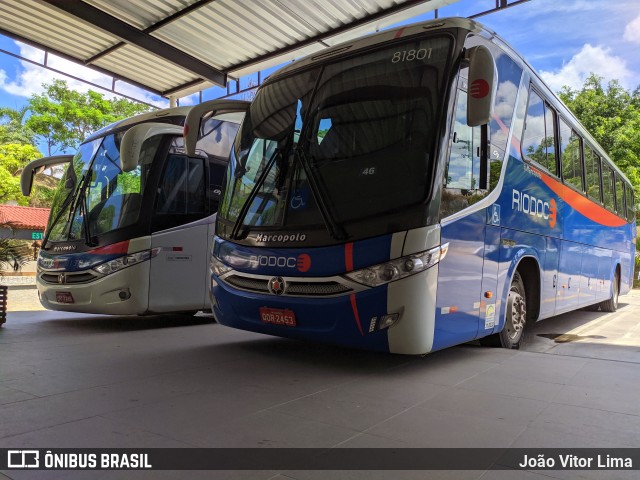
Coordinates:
(444,23)
(143,117)
(381,37)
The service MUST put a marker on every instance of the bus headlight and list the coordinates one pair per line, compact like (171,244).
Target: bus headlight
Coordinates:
(116,264)
(399,268)
(218,267)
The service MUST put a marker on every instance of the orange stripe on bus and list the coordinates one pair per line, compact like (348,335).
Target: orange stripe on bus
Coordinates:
(580,203)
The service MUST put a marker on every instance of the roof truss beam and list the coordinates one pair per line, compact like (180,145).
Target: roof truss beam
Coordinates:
(131,35)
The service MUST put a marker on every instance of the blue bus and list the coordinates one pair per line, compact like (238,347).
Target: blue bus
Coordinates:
(413,190)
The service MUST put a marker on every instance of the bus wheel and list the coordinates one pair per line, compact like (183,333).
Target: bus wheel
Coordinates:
(611,305)
(516,316)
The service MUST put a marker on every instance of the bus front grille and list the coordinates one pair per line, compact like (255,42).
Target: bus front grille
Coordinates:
(247,283)
(297,288)
(67,278)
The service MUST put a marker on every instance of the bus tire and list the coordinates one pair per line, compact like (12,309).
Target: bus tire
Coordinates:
(611,305)
(516,314)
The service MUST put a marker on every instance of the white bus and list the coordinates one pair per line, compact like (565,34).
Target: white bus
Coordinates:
(133,216)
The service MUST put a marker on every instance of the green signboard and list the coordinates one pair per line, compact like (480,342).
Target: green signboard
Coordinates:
(37,235)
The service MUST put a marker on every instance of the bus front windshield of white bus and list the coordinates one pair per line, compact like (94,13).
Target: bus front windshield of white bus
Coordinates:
(347,147)
(95,196)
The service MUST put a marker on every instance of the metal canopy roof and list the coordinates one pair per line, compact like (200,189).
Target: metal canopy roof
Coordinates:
(177,47)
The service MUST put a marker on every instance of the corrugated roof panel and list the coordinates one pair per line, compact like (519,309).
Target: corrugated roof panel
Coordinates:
(225,32)
(141,13)
(144,67)
(48,26)
(221,34)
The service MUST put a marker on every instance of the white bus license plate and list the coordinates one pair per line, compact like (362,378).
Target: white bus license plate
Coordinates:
(277,316)
(64,297)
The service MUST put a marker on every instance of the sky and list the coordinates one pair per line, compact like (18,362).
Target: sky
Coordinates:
(564,40)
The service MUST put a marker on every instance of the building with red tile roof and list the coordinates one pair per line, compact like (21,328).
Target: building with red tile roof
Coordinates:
(27,218)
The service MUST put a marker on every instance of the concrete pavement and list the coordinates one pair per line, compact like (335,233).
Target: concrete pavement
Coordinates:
(70,380)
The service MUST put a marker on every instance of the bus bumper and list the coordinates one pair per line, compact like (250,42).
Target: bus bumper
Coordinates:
(351,320)
(125,292)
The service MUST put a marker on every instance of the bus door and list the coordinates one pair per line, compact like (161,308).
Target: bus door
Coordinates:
(471,265)
(180,229)
(187,199)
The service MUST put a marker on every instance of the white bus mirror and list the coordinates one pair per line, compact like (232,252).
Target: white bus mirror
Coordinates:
(134,138)
(37,166)
(197,112)
(483,76)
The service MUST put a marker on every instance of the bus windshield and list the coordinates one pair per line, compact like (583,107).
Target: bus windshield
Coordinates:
(95,196)
(345,147)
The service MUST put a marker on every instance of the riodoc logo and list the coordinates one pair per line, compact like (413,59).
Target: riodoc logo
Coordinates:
(23,459)
(536,207)
(302,262)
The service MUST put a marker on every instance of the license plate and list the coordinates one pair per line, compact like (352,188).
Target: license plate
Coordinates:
(64,297)
(277,316)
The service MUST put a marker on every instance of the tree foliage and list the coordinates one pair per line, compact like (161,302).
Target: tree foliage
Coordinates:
(63,118)
(612,115)
(13,129)
(13,158)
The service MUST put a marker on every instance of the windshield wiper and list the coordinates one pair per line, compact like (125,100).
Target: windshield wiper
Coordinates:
(252,195)
(333,227)
(68,202)
(85,216)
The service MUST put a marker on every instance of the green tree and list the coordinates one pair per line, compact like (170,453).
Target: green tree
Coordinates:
(612,115)
(63,118)
(13,128)
(13,158)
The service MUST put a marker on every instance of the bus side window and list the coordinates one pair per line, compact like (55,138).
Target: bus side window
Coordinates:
(538,141)
(181,193)
(608,188)
(619,196)
(630,207)
(592,173)
(570,157)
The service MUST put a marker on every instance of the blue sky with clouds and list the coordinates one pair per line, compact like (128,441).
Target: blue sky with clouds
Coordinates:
(563,39)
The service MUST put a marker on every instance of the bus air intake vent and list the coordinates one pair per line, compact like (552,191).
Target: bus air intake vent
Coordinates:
(316,289)
(250,284)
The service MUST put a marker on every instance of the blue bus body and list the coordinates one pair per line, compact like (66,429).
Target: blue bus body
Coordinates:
(567,248)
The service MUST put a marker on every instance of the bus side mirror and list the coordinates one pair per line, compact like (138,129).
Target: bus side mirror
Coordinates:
(37,166)
(134,138)
(197,112)
(483,76)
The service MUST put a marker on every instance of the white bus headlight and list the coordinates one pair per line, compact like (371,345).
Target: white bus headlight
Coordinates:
(218,267)
(116,264)
(399,268)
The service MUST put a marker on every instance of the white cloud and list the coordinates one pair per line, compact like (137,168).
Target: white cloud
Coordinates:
(632,30)
(30,79)
(598,60)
